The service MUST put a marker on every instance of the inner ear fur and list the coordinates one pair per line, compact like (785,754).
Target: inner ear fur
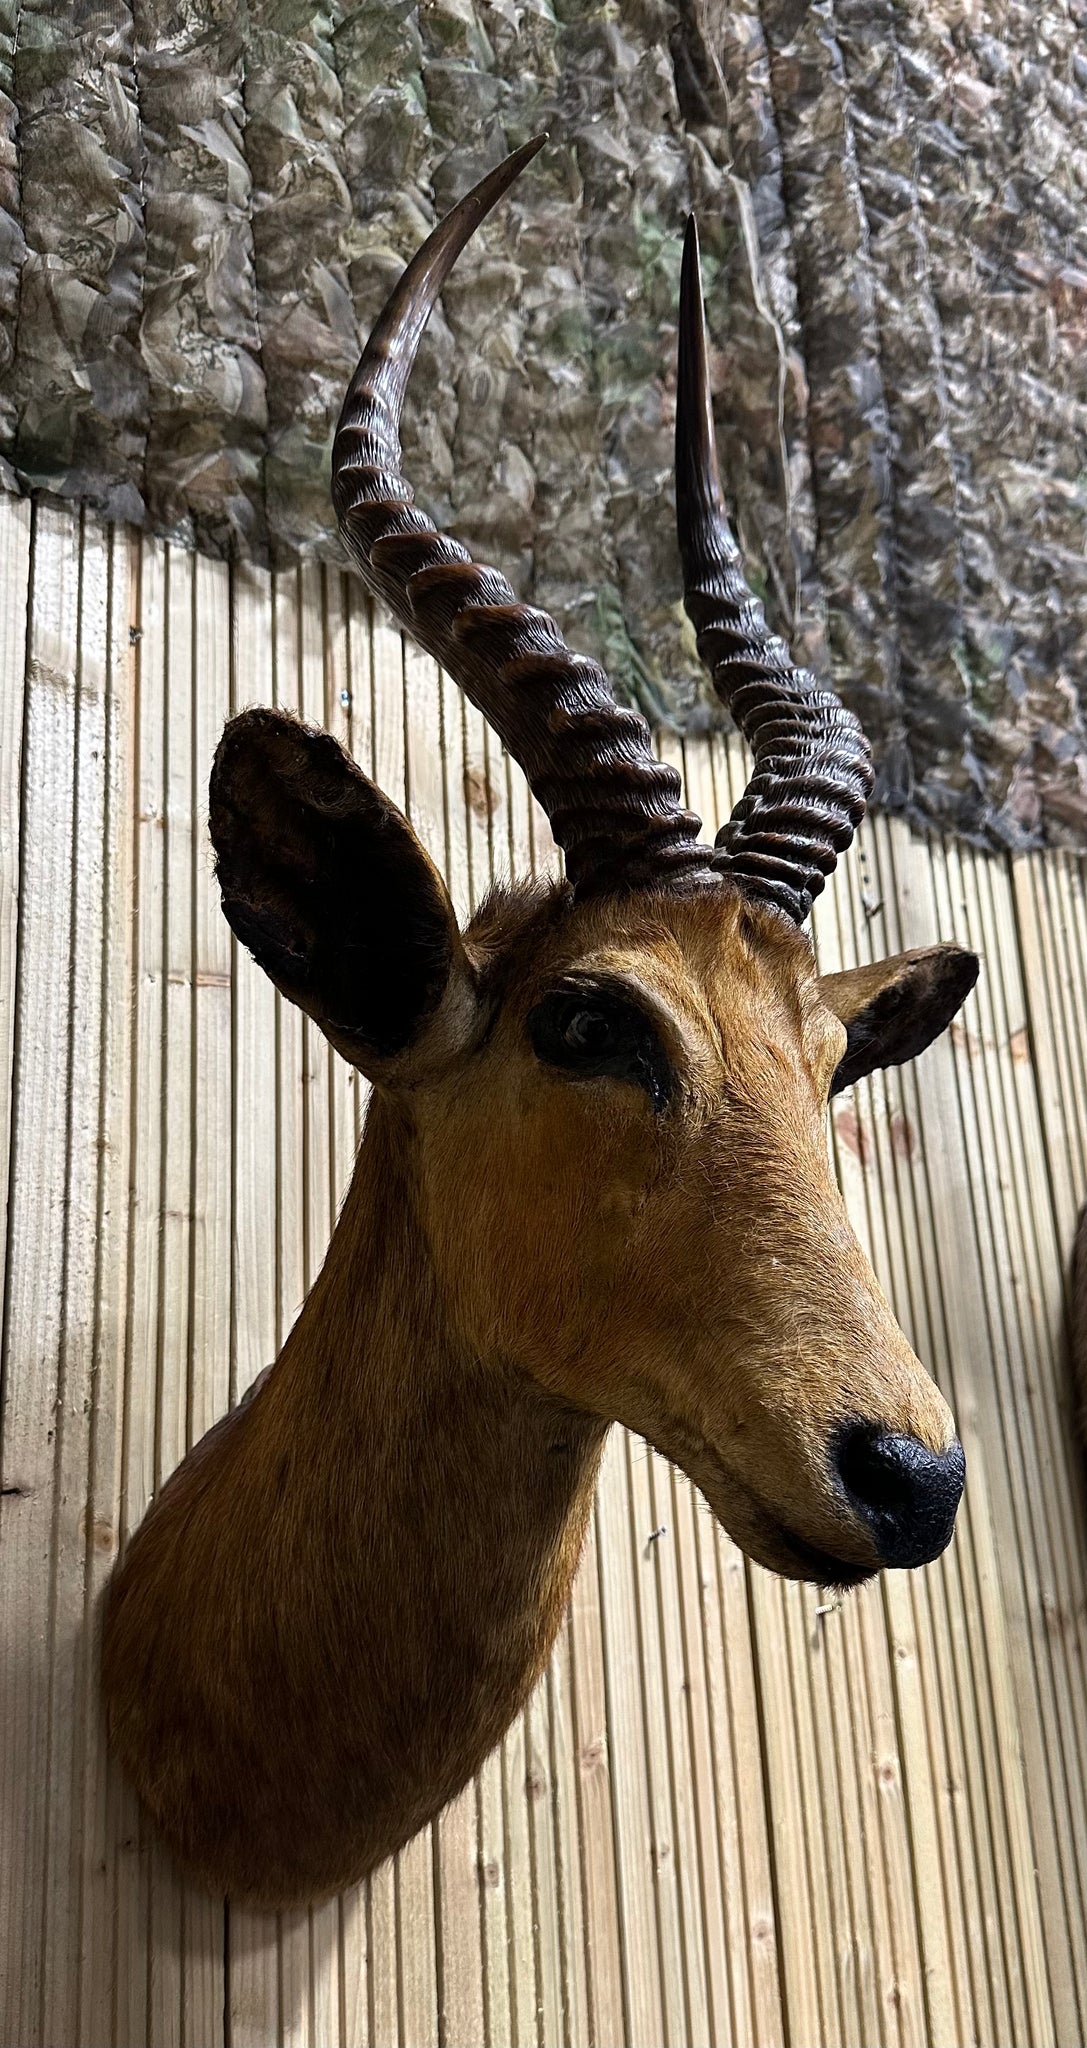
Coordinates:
(325,882)
(894,1008)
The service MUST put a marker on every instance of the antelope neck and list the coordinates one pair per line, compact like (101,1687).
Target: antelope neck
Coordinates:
(434,1506)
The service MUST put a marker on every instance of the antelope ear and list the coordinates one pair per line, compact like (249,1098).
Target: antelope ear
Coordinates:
(894,1008)
(326,883)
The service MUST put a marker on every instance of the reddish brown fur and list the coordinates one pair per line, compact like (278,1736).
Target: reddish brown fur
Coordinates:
(342,1598)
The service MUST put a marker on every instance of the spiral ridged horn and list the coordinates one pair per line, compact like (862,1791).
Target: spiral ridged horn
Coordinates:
(614,808)
(813,770)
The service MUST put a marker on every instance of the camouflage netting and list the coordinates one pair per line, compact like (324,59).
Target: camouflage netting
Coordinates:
(203,204)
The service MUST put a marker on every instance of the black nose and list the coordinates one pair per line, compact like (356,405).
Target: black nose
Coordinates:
(907,1494)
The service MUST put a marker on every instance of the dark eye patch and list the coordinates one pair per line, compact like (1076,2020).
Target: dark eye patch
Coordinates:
(593,1033)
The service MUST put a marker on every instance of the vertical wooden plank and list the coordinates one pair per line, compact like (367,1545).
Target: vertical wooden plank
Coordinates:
(639,1941)
(808,1860)
(15,597)
(1063,976)
(421,779)
(711,1918)
(543,1853)
(456,802)
(1048,1045)
(499,816)
(494,1933)
(689,1785)
(570,1897)
(744,1814)
(79,1539)
(520,1904)
(176,682)
(646,1550)
(591,1739)
(481,797)
(212,1021)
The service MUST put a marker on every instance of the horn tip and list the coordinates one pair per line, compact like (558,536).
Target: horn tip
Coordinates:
(518,159)
(477,203)
(690,284)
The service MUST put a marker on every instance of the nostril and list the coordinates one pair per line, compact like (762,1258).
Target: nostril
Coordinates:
(907,1494)
(881,1471)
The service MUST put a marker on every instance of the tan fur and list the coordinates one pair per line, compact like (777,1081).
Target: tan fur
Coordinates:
(342,1598)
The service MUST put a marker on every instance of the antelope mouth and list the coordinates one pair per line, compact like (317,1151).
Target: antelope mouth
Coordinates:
(770,1542)
(820,1566)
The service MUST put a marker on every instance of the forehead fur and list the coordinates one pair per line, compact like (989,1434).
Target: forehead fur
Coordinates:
(525,937)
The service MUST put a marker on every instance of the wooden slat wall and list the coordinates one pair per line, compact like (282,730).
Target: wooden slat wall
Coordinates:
(729,1814)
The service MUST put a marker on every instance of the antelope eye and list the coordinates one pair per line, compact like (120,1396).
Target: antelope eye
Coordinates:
(601,1036)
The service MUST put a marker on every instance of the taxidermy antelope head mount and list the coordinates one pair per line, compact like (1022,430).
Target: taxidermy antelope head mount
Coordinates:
(594,1187)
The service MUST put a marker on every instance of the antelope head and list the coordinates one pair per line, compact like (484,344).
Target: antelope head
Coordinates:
(615,1087)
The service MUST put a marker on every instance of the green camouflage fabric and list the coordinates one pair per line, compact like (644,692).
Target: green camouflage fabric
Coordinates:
(201,208)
